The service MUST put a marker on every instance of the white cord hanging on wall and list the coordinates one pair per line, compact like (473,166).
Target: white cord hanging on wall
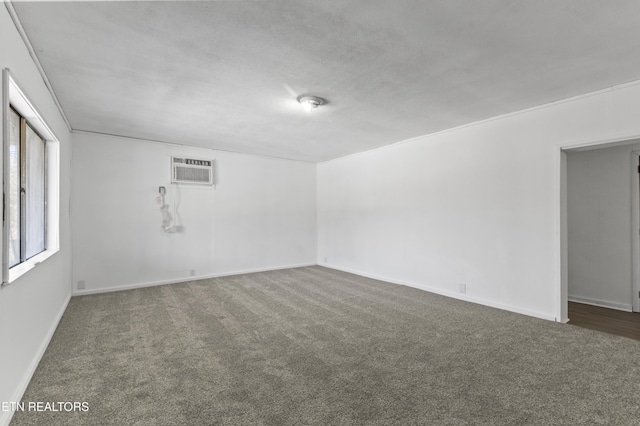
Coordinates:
(169,224)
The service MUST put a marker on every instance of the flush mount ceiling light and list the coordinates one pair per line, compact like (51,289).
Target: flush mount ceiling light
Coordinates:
(309,103)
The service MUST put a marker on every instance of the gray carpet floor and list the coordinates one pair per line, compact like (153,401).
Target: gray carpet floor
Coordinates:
(314,346)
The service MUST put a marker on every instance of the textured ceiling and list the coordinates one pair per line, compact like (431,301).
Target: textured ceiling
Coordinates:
(226,74)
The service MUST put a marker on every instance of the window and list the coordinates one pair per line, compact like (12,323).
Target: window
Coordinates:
(31,184)
(27,195)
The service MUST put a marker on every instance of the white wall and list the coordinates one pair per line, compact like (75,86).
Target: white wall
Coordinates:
(599,226)
(478,205)
(31,306)
(261,214)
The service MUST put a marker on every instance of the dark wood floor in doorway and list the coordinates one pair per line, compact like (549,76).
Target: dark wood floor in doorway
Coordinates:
(610,321)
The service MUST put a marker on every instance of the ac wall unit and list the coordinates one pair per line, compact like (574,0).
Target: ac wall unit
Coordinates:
(191,171)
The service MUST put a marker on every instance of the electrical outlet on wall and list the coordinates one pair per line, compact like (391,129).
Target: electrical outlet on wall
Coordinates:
(325,260)
(462,288)
(81,284)
(192,272)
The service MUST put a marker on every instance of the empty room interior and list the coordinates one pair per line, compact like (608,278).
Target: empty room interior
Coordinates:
(320,212)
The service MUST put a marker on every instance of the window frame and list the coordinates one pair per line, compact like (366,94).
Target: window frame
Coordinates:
(13,97)
(24,167)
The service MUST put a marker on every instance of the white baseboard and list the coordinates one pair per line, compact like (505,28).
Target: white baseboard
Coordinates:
(453,295)
(182,280)
(6,416)
(602,303)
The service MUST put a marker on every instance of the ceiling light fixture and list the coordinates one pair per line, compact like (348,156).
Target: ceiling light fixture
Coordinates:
(309,103)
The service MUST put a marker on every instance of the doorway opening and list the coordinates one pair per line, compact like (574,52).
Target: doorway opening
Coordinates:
(600,215)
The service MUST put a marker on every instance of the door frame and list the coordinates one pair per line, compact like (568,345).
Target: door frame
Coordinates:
(562,253)
(635,230)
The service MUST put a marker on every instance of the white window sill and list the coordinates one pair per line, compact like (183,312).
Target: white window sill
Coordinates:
(24,267)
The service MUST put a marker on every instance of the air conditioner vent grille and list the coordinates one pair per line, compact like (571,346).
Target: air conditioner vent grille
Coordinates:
(191,171)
